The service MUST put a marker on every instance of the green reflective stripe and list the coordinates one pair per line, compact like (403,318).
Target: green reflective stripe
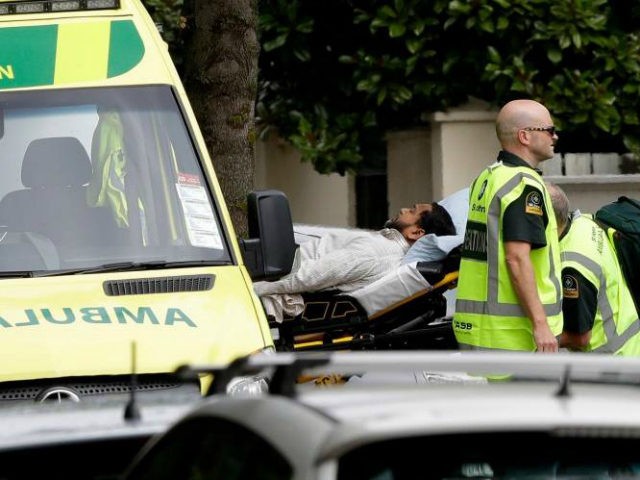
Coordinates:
(83,49)
(126,48)
(27,56)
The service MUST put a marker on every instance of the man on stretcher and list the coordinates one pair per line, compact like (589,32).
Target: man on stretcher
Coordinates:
(348,259)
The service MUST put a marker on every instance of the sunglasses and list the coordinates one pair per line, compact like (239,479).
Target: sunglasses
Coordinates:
(551,130)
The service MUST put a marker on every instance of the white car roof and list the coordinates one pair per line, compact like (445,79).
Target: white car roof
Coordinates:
(425,393)
(445,409)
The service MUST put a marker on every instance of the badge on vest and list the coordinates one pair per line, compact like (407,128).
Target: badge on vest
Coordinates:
(570,287)
(533,203)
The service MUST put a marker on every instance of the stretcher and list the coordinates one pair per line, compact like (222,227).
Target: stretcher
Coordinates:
(404,310)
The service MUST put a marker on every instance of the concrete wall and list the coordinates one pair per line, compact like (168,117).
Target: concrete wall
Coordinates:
(590,192)
(591,180)
(464,143)
(429,164)
(314,198)
(409,169)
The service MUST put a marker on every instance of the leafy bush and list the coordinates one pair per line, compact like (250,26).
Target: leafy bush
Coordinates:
(336,75)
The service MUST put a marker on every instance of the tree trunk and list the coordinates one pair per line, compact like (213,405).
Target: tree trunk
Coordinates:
(220,75)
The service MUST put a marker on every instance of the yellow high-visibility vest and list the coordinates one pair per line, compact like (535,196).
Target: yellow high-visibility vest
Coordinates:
(488,314)
(590,250)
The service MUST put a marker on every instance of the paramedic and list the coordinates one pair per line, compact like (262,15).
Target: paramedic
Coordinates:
(509,294)
(350,259)
(599,313)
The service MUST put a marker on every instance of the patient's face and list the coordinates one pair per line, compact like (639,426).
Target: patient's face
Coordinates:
(411,216)
(406,221)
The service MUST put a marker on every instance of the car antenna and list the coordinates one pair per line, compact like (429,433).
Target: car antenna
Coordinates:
(131,411)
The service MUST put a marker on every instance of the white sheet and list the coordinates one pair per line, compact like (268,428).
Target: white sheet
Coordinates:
(391,289)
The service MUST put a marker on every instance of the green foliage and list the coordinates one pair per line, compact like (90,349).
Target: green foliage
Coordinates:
(350,70)
(305,91)
(167,14)
(336,75)
(576,61)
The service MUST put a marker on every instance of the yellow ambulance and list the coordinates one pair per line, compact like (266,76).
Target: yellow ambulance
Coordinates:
(113,229)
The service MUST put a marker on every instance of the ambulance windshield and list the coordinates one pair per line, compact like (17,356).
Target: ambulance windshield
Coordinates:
(99,176)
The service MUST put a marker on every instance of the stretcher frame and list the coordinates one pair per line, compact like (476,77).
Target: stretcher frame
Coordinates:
(338,321)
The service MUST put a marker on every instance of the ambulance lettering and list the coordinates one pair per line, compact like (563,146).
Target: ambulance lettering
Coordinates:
(100,315)
(6,71)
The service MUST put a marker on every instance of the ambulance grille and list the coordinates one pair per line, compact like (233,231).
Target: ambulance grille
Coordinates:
(85,387)
(144,286)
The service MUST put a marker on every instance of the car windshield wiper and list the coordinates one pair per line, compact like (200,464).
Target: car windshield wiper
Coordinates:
(128,266)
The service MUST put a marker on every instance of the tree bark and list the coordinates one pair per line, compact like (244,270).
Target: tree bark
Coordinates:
(220,75)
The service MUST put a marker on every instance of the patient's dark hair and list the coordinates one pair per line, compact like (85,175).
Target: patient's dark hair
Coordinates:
(437,221)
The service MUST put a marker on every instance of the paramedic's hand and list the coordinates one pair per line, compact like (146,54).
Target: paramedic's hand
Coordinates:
(521,272)
(546,342)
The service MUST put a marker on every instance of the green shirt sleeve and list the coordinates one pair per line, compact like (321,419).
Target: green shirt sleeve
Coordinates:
(579,301)
(526,218)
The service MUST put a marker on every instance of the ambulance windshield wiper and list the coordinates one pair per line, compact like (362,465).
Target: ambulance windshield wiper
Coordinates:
(127,266)
(18,274)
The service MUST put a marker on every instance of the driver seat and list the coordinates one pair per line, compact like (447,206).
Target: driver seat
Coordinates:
(55,172)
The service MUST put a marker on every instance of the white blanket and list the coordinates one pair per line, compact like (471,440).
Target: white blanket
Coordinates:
(393,288)
(280,305)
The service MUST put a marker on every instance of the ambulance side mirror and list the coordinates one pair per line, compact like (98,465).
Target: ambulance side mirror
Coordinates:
(269,251)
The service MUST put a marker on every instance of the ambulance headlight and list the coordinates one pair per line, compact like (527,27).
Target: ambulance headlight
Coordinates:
(249,386)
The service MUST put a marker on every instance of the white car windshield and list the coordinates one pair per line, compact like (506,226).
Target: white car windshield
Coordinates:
(93,177)
(577,454)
